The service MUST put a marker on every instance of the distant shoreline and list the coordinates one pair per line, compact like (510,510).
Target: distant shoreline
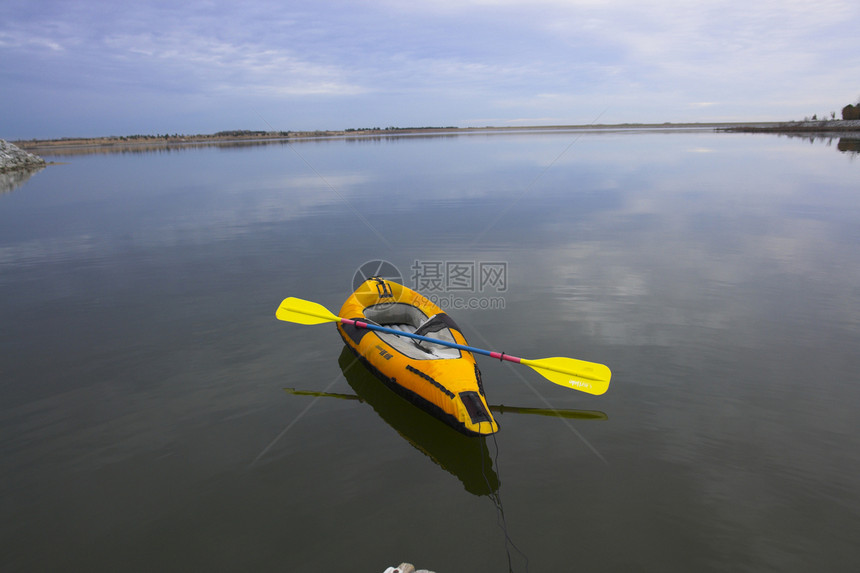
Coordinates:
(821,126)
(244,136)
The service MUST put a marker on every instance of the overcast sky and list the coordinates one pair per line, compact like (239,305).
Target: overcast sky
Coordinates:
(92,67)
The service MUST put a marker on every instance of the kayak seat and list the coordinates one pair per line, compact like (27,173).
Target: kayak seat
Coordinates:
(433,324)
(410,319)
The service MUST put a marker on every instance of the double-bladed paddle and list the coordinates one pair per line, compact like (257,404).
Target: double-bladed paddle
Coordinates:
(580,375)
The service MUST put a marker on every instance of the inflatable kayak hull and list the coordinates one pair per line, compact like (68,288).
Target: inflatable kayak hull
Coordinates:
(443,381)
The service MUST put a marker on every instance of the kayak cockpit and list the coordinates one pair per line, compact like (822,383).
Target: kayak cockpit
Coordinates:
(411,319)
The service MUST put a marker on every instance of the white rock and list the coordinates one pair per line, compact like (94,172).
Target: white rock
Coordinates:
(13,158)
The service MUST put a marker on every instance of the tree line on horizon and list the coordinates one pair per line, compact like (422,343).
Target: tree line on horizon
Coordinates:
(848,112)
(851,111)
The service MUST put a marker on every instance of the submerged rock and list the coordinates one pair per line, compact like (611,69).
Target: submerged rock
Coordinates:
(13,158)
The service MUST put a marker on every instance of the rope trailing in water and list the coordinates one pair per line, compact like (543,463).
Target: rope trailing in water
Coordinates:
(496,498)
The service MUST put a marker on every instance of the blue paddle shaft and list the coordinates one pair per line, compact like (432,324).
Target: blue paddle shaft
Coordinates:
(499,355)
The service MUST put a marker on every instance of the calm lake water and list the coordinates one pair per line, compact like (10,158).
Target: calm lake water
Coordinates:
(146,426)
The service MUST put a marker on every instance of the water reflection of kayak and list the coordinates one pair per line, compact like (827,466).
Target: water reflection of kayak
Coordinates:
(463,456)
(442,381)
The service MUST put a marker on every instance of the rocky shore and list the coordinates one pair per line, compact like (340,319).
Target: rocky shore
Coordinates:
(12,158)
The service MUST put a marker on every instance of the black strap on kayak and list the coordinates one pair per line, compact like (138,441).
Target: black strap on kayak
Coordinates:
(382,288)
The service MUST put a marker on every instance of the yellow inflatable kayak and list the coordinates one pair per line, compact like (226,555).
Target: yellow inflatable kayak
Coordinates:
(444,381)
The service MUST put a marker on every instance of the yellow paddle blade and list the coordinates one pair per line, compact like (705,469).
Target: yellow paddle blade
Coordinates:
(580,375)
(304,312)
